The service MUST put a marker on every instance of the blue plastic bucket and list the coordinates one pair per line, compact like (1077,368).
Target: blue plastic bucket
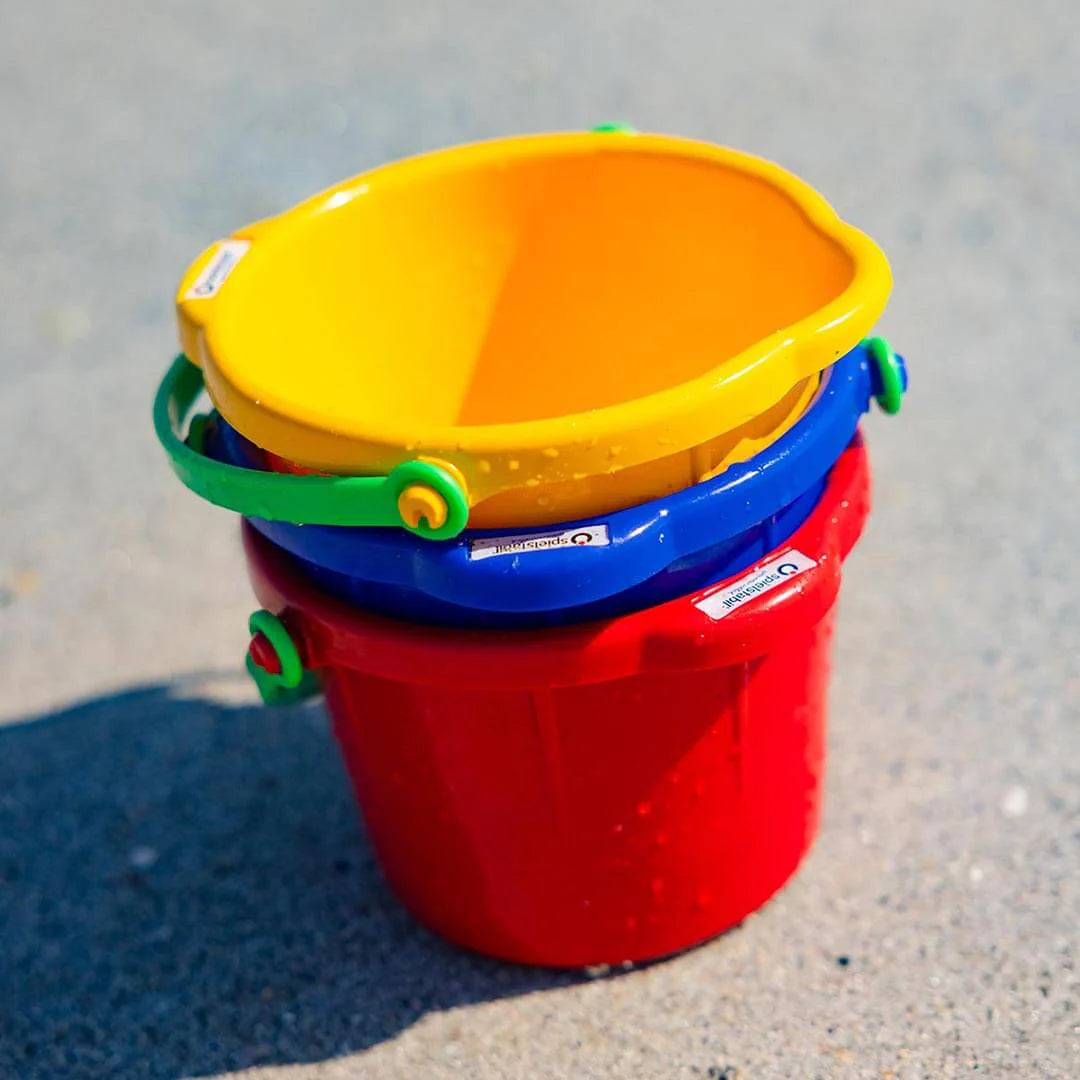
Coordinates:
(595,568)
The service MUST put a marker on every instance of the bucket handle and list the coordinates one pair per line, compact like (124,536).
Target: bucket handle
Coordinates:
(888,375)
(419,496)
(275,663)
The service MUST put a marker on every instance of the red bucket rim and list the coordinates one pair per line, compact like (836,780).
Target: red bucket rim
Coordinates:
(677,635)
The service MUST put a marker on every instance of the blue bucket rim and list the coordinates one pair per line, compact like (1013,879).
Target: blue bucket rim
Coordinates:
(642,541)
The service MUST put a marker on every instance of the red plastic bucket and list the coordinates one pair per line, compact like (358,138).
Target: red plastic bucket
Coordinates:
(595,793)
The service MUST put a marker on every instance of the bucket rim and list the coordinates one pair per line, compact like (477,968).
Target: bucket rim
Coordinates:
(677,417)
(642,541)
(677,635)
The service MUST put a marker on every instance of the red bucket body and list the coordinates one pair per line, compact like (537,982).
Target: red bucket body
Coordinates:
(588,794)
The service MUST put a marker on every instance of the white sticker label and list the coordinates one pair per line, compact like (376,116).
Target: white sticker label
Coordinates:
(222,263)
(750,586)
(585,536)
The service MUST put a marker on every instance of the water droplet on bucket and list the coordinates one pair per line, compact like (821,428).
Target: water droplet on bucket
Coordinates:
(630,922)
(484,465)
(550,452)
(699,789)
(644,809)
(657,886)
(703,900)
(532,482)
(661,838)
(513,465)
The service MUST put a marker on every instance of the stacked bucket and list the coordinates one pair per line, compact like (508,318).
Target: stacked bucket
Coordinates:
(548,454)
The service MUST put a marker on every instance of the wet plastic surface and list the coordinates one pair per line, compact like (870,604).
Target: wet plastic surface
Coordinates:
(592,794)
(653,553)
(572,323)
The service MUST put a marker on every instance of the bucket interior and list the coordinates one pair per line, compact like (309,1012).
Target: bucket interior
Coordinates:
(481,290)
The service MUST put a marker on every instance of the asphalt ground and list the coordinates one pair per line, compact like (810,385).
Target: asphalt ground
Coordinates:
(187,890)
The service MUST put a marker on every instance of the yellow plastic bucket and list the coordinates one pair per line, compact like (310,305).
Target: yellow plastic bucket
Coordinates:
(569,324)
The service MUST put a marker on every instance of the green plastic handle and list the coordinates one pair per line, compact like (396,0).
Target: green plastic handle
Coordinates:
(301,500)
(274,692)
(293,683)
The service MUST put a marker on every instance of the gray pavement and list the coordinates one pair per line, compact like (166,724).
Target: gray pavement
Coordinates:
(184,887)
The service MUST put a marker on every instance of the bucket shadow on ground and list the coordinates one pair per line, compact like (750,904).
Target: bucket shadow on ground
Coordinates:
(187,890)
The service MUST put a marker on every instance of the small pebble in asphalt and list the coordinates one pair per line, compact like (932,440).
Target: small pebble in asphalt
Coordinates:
(142,858)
